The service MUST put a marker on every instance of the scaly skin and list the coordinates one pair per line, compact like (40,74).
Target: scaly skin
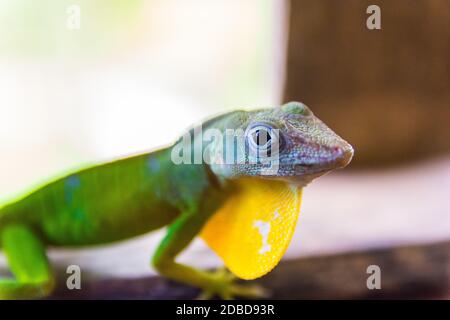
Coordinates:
(132,196)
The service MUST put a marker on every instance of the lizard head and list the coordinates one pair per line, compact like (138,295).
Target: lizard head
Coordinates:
(249,149)
(285,143)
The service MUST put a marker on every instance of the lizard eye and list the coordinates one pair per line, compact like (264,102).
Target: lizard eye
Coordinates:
(263,139)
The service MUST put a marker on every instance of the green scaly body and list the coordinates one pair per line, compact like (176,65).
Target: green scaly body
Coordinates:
(87,207)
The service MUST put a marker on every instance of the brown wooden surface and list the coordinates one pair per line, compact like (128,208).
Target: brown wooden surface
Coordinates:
(386,91)
(406,272)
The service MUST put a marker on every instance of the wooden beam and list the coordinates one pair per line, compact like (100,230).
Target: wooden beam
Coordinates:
(421,271)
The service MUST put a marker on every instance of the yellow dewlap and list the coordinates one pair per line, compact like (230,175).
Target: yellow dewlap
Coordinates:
(252,231)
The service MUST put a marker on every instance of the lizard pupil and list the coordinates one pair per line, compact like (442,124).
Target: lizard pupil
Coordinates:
(262,137)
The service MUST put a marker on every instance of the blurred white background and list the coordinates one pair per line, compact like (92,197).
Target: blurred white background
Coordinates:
(133,77)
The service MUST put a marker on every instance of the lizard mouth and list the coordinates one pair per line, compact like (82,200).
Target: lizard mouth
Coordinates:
(307,169)
(344,156)
(338,158)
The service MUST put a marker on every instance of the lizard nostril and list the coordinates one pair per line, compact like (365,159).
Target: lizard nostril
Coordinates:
(342,155)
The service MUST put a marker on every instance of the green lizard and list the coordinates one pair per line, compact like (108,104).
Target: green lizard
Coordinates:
(132,196)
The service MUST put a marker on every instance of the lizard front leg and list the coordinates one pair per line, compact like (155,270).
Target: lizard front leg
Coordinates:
(28,262)
(178,237)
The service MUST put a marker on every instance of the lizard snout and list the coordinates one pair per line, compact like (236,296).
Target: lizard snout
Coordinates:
(343,155)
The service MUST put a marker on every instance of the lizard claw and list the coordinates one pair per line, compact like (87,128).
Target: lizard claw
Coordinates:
(253,291)
(225,287)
